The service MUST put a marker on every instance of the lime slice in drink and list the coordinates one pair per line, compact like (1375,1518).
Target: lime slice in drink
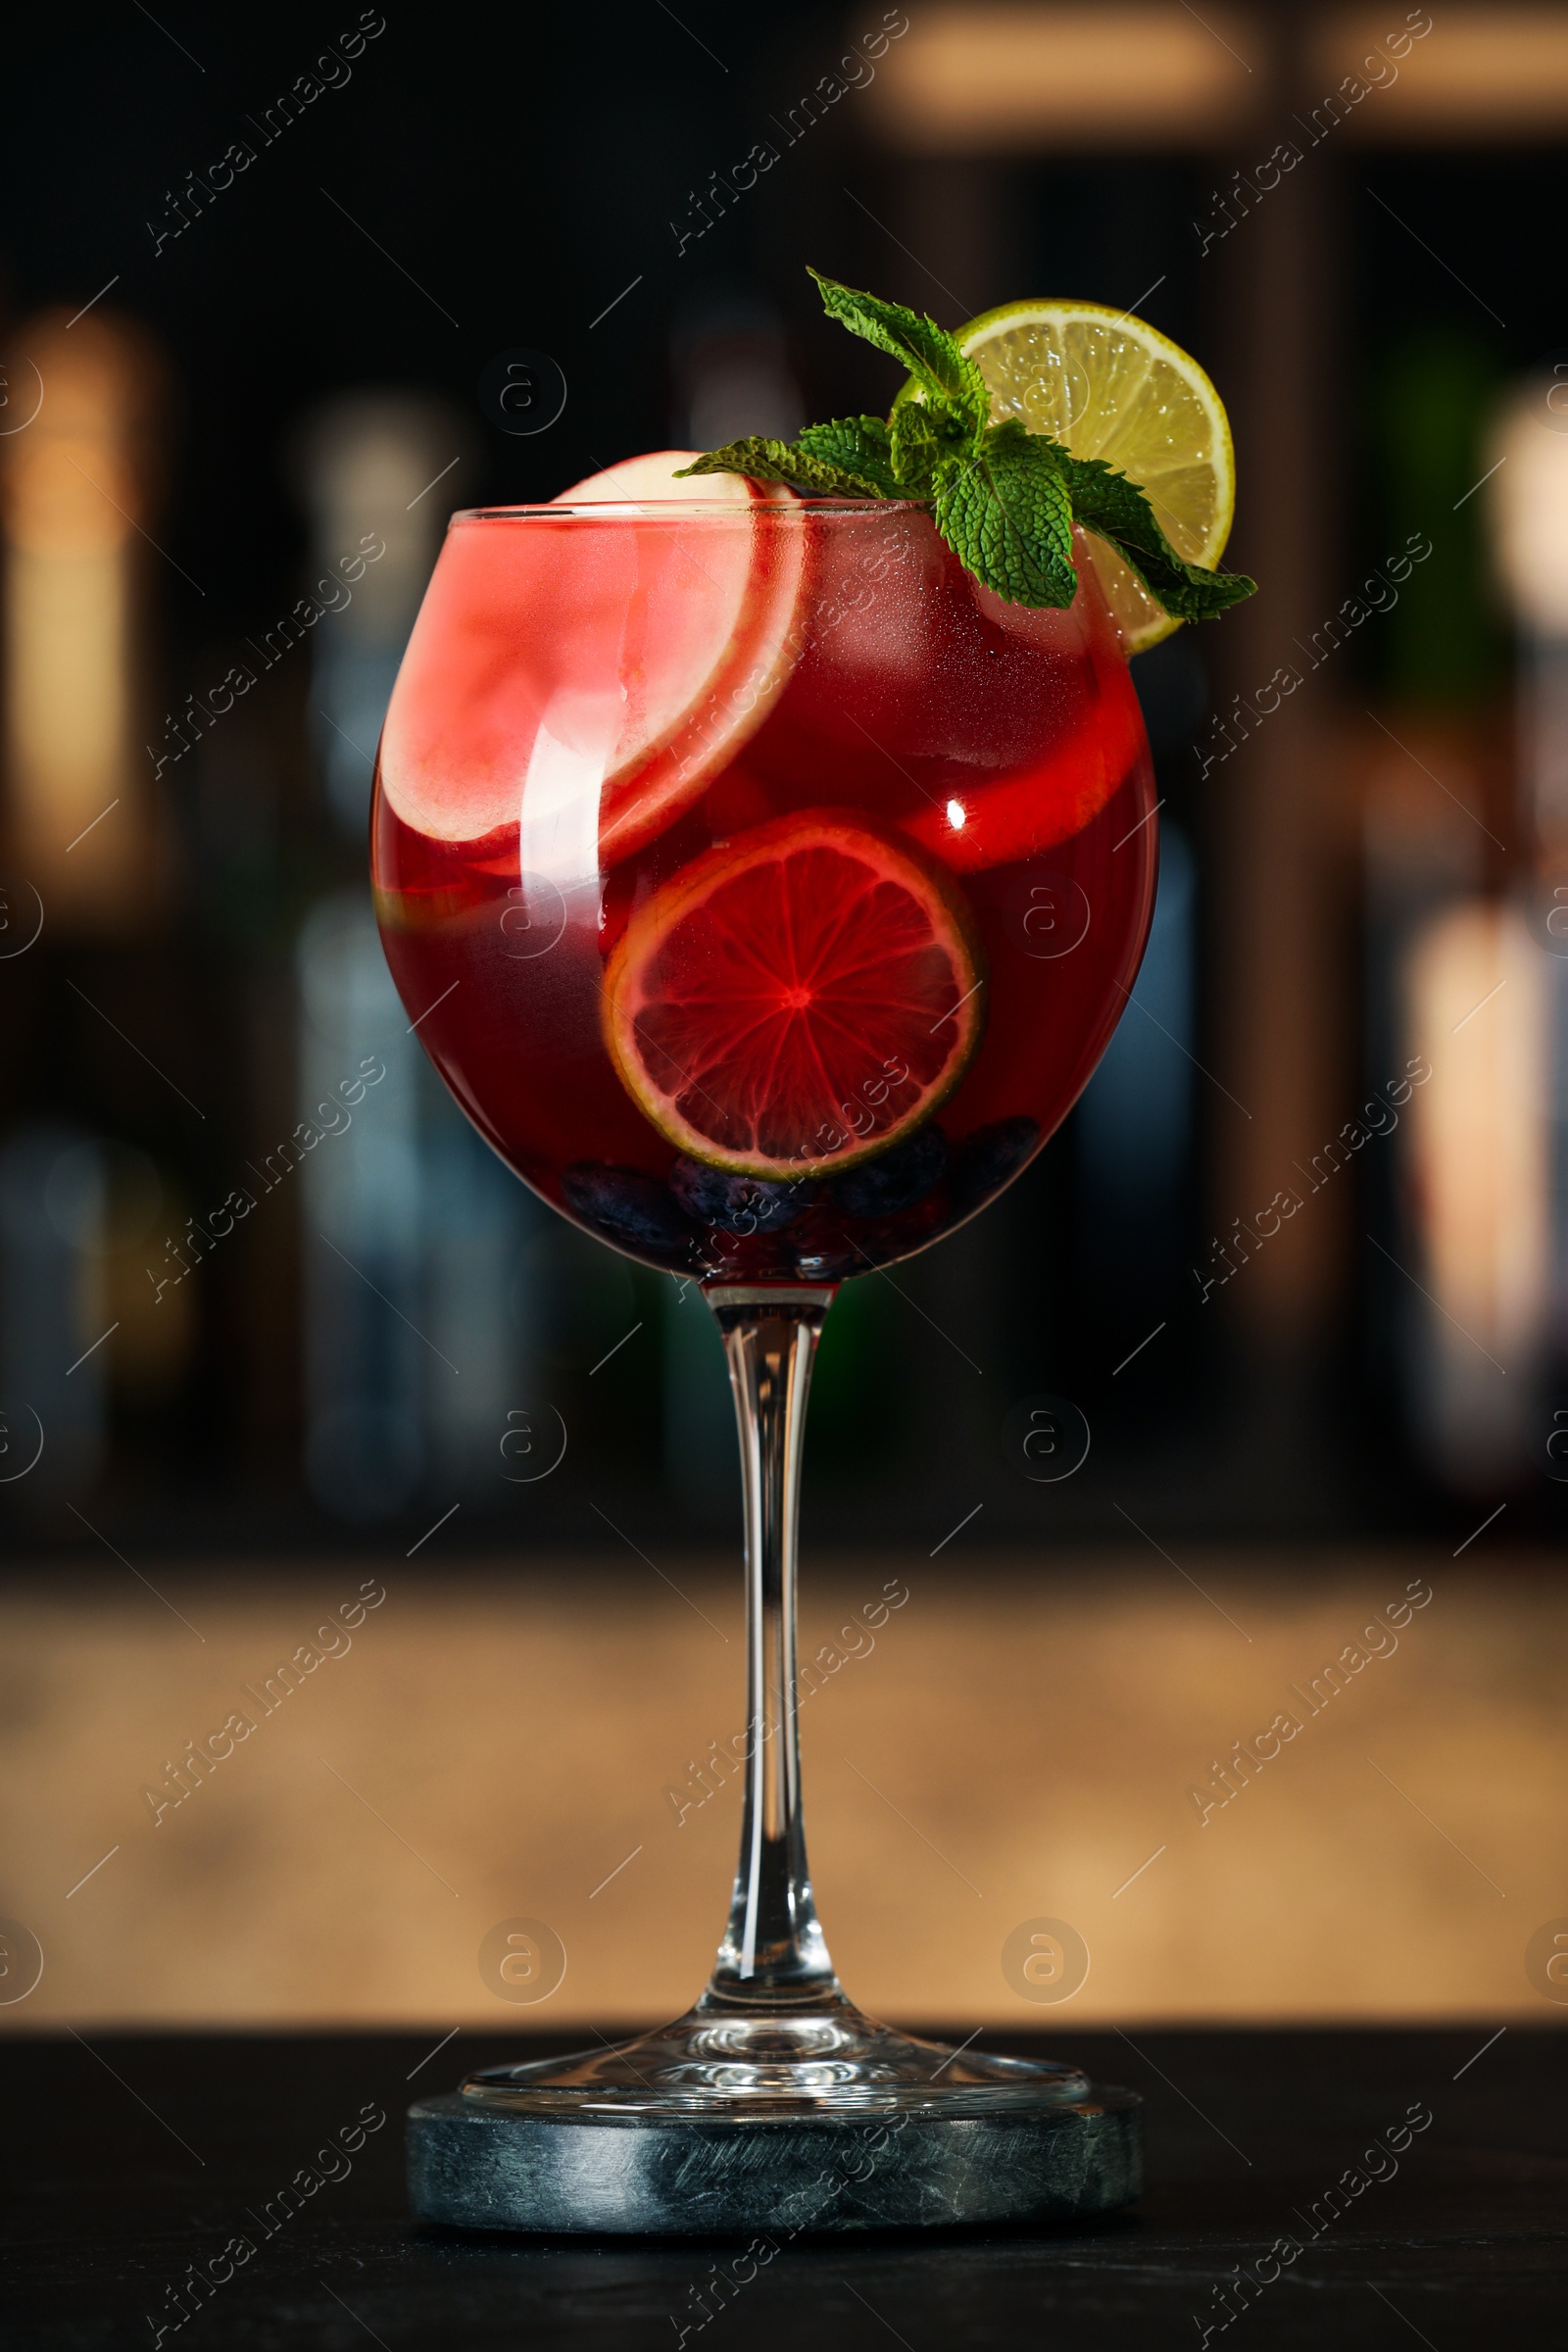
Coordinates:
(1106,385)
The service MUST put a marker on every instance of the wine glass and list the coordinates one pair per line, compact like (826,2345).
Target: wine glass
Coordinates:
(766,890)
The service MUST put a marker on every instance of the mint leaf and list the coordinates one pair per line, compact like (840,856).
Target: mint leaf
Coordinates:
(923,433)
(1108,503)
(927,350)
(1007,517)
(861,446)
(1005,500)
(765,460)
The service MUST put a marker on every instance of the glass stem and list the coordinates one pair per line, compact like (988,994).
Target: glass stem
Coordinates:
(773,1954)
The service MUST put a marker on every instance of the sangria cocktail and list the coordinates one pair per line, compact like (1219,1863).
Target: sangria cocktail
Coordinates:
(764,886)
(764,847)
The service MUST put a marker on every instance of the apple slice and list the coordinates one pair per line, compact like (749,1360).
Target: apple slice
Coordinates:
(663,780)
(590,659)
(656,477)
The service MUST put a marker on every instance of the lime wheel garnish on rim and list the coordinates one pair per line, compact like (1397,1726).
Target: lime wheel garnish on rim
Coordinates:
(797,1000)
(1107,385)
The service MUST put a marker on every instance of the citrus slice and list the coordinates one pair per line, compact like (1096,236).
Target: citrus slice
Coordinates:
(797,1000)
(563,660)
(1106,385)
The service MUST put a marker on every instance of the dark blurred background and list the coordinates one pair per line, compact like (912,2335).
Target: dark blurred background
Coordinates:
(256,273)
(262,268)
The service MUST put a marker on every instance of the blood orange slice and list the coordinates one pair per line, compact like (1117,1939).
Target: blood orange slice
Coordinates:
(617,658)
(797,1000)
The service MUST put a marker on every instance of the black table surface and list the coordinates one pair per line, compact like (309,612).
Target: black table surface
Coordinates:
(128,2160)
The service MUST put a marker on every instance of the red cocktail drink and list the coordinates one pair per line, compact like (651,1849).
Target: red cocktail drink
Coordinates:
(764,887)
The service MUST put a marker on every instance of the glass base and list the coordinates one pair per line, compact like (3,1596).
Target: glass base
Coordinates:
(751,2062)
(783,2116)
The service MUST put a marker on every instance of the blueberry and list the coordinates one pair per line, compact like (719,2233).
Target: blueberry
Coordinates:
(985,1160)
(738,1203)
(896,1179)
(823,1262)
(625,1203)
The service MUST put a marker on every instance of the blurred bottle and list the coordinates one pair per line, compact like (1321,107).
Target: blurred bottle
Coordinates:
(79,476)
(1486,994)
(1456,1201)
(364,462)
(1134,1129)
(409,1222)
(1529,511)
(1476,1157)
(380,471)
(53,1322)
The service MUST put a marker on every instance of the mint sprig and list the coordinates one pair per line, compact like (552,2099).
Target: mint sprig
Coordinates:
(795,461)
(859,446)
(928,352)
(1004,499)
(1006,514)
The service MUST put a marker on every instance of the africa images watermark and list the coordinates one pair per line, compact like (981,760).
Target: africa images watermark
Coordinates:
(1378,2162)
(280,1161)
(202,1758)
(857,72)
(331,2163)
(1378,1117)
(705,1779)
(199,718)
(1225,733)
(1377,72)
(888,556)
(856,2152)
(1375,1639)
(332,72)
